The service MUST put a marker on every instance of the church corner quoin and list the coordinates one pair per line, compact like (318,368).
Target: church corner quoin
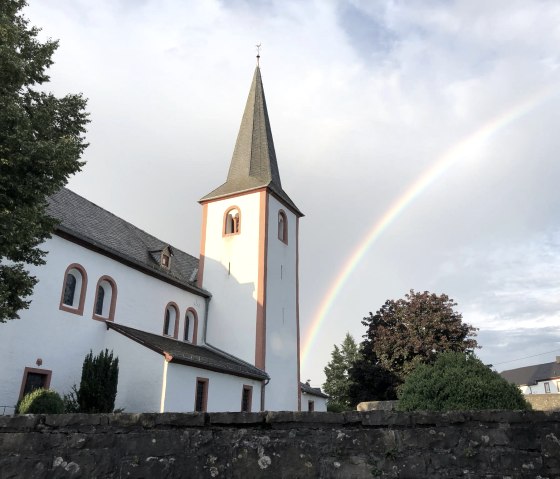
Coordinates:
(167,314)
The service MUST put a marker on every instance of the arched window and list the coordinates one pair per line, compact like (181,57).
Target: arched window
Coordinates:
(74,289)
(282,227)
(105,299)
(232,221)
(170,320)
(191,326)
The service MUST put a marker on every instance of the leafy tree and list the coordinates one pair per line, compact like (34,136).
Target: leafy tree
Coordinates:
(403,334)
(98,387)
(458,382)
(336,372)
(41,141)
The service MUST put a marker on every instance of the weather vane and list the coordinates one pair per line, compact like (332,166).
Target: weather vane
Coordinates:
(258,52)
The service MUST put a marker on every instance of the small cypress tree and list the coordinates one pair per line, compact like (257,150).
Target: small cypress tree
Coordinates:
(98,387)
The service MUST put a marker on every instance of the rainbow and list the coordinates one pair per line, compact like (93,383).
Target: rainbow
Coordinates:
(465,148)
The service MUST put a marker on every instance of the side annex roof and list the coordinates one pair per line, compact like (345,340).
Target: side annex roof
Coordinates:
(189,354)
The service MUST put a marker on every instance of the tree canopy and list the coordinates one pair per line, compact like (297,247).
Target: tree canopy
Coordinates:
(458,381)
(402,334)
(336,372)
(41,142)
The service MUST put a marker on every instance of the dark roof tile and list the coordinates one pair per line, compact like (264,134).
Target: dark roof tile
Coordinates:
(98,228)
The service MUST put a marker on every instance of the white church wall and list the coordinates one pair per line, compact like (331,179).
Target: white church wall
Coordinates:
(140,374)
(281,311)
(61,338)
(319,403)
(224,390)
(231,274)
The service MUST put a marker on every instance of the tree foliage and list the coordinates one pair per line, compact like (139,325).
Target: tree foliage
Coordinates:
(336,371)
(402,334)
(98,387)
(41,141)
(458,381)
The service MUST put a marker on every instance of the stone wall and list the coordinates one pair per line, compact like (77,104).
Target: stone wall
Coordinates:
(544,402)
(489,444)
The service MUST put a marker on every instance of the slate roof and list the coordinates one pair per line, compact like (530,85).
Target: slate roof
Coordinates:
(102,231)
(530,375)
(253,164)
(306,388)
(189,354)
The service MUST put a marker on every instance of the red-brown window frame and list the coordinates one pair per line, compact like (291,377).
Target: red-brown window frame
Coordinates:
(282,215)
(204,393)
(247,387)
(194,327)
(224,230)
(69,309)
(26,371)
(112,306)
(173,305)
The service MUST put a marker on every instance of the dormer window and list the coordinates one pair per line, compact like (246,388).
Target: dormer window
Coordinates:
(165,259)
(232,221)
(163,256)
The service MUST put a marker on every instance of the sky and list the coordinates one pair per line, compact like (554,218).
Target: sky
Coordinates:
(420,139)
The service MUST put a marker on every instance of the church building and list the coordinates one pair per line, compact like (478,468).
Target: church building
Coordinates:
(215,333)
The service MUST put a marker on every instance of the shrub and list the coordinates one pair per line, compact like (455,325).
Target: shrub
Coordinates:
(457,381)
(41,401)
(98,387)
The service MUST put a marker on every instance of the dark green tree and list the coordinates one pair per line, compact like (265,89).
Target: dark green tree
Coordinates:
(404,333)
(98,387)
(41,141)
(458,382)
(337,382)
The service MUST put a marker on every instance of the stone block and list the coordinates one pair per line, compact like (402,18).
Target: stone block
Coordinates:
(237,418)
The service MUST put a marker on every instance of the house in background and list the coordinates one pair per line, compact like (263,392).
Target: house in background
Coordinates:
(218,332)
(536,379)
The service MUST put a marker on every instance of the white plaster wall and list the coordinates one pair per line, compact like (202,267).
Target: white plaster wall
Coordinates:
(62,339)
(319,406)
(539,387)
(140,374)
(231,274)
(281,311)
(224,391)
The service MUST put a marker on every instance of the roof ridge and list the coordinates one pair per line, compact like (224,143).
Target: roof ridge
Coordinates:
(132,227)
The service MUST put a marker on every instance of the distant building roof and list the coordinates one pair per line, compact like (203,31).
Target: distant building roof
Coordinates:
(98,229)
(253,164)
(307,389)
(189,354)
(530,375)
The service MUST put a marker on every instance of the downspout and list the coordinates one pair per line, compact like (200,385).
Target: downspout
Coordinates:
(264,382)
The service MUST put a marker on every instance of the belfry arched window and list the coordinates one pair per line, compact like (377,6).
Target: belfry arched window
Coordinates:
(74,289)
(282,227)
(232,221)
(105,299)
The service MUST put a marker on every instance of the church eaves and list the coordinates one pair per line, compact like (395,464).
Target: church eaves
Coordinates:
(253,164)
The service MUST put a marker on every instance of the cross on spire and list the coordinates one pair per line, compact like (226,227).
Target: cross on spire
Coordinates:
(258,52)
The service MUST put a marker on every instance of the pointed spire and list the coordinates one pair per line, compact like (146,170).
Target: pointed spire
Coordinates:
(253,164)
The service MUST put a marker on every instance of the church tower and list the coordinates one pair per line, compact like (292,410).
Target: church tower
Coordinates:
(249,259)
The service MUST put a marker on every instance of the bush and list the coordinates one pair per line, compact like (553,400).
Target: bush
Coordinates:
(98,387)
(458,382)
(41,401)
